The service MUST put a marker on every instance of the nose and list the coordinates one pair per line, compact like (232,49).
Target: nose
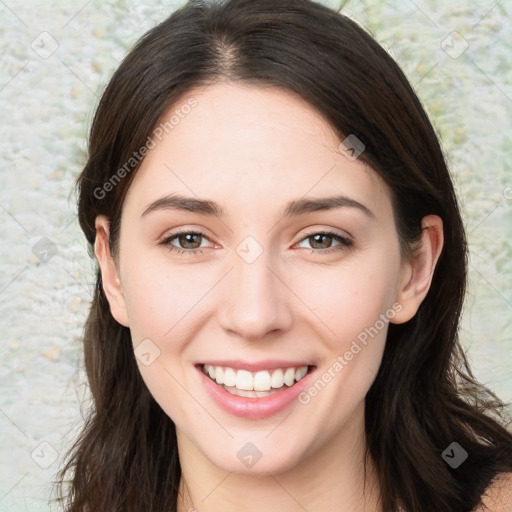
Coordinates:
(256,299)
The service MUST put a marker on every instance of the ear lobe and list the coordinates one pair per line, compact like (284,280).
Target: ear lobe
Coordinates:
(109,272)
(416,276)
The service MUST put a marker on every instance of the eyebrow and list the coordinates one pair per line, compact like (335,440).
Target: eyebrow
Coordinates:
(293,208)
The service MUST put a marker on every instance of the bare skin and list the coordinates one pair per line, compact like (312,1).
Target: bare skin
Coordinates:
(252,151)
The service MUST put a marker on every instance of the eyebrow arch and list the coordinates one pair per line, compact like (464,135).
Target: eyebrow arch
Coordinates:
(293,208)
(189,204)
(302,206)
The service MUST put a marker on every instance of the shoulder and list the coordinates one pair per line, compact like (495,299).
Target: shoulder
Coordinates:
(498,496)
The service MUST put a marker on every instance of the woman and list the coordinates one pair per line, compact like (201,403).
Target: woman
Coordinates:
(282,266)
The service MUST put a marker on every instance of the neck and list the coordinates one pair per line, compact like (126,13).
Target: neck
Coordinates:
(319,482)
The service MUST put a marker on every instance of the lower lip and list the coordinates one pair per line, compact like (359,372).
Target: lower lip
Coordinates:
(253,408)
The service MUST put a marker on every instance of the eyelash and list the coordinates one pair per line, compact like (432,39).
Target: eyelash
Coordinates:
(345,243)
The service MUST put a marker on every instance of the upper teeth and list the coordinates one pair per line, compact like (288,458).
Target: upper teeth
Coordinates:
(257,381)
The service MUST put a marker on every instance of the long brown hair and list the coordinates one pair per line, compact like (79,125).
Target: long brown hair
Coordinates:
(424,396)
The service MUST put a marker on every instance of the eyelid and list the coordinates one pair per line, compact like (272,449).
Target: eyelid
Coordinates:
(170,234)
(344,241)
(310,232)
(326,231)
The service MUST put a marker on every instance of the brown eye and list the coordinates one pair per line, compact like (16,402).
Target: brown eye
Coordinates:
(321,242)
(184,242)
(189,240)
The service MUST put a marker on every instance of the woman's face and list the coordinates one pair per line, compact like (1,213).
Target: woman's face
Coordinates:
(260,292)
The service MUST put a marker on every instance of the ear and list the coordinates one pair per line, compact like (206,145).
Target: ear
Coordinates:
(416,275)
(109,272)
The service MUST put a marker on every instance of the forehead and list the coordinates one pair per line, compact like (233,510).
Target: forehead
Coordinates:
(239,143)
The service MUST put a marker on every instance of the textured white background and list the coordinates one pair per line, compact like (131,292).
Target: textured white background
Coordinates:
(46,105)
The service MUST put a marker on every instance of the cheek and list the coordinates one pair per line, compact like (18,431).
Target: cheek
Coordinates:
(162,302)
(354,306)
(348,299)
(161,296)
(339,300)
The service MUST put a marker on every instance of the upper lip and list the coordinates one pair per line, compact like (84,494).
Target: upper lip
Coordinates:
(254,366)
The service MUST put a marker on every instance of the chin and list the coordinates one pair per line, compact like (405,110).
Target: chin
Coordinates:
(254,458)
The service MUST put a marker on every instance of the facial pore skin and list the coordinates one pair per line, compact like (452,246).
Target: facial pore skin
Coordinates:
(253,150)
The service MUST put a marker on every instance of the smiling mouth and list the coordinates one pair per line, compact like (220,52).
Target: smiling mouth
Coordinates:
(255,384)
